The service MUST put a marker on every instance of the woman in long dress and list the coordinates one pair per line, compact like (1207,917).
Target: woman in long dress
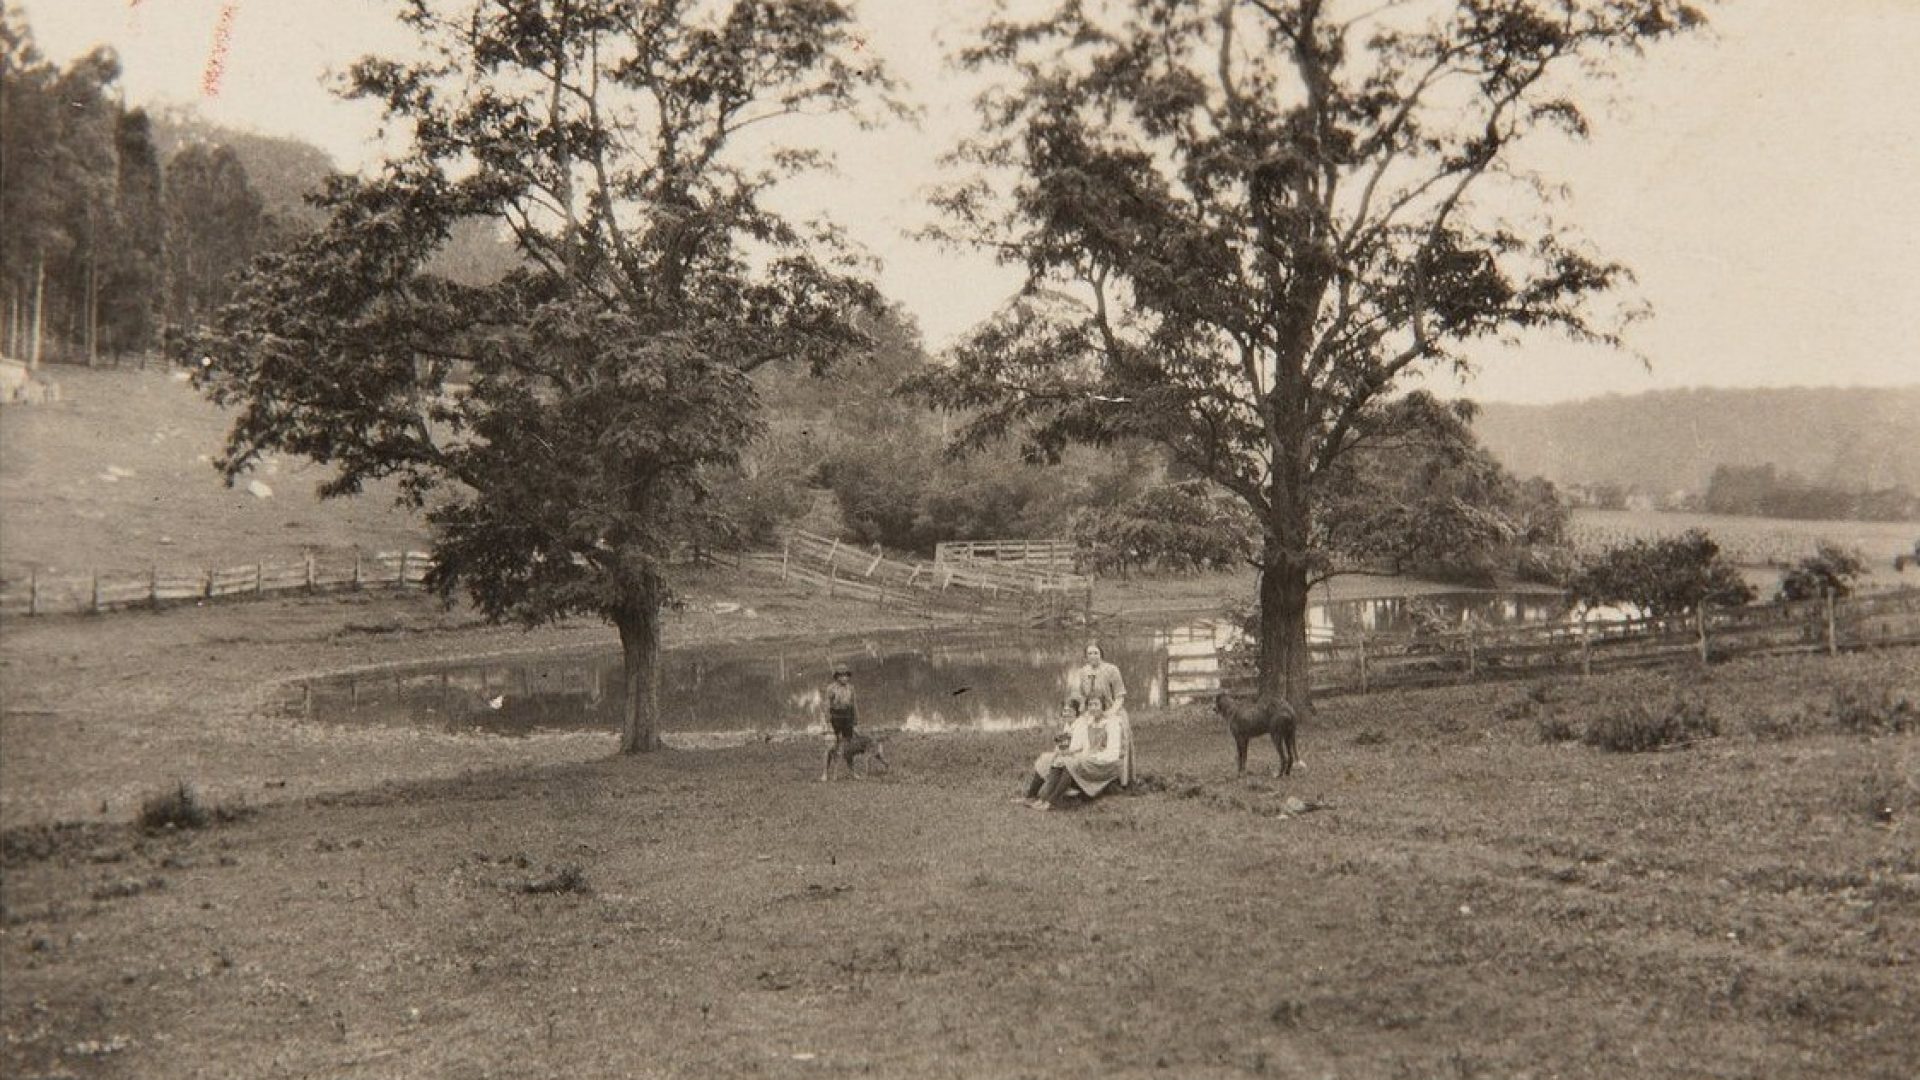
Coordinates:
(1098,683)
(1097,749)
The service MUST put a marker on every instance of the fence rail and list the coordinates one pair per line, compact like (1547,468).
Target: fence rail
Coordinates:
(1040,556)
(1409,659)
(110,590)
(978,588)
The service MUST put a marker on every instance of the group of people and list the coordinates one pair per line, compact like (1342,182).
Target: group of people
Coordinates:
(1093,752)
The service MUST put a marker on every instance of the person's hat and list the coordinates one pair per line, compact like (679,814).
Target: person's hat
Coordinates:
(842,669)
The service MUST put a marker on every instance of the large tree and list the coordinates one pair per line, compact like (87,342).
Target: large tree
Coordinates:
(1270,216)
(563,424)
(215,225)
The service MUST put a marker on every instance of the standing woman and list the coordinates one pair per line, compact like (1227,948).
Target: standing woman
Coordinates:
(1097,683)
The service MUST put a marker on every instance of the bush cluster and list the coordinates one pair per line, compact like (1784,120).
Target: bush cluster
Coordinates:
(1866,710)
(1642,727)
(179,807)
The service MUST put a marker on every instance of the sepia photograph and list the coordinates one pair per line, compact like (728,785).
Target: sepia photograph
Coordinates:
(1323,539)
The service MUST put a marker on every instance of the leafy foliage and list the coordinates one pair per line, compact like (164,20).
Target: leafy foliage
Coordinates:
(1642,727)
(1830,570)
(1668,576)
(1247,224)
(115,227)
(216,224)
(1766,491)
(564,425)
(1178,526)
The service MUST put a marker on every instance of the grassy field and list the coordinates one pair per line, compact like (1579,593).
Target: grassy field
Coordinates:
(118,475)
(1457,883)
(1759,542)
(1464,882)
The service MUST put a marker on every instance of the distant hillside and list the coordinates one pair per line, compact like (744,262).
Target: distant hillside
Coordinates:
(1668,441)
(286,171)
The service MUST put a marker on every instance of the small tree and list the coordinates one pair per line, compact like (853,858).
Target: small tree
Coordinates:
(1830,570)
(1670,576)
(563,424)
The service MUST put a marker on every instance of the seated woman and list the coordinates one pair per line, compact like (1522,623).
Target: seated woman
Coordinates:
(1089,769)
(1098,682)
(1071,739)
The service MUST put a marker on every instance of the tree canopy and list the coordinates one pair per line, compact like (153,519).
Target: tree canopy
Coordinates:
(563,425)
(1247,224)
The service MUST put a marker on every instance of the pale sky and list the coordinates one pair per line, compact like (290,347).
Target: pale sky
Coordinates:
(1761,181)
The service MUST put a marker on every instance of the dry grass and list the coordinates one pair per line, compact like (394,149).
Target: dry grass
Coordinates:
(1435,893)
(117,476)
(1451,885)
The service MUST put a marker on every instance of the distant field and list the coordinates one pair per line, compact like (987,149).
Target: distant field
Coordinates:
(118,475)
(1757,542)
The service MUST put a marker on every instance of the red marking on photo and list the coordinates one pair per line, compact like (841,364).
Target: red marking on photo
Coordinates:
(217,59)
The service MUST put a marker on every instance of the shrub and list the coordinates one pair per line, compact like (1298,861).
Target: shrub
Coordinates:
(1866,710)
(181,807)
(1528,704)
(1670,576)
(1830,569)
(1769,725)
(1554,728)
(1641,728)
(560,879)
(176,808)
(1878,795)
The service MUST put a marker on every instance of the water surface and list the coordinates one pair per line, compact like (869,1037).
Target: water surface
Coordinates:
(913,681)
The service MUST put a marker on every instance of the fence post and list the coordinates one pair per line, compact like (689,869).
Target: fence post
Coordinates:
(1833,638)
(356,569)
(833,575)
(1700,623)
(259,578)
(33,591)
(1473,665)
(401,581)
(786,553)
(1586,652)
(309,571)
(209,589)
(1363,663)
(153,580)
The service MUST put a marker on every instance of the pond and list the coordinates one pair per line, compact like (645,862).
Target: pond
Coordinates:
(913,681)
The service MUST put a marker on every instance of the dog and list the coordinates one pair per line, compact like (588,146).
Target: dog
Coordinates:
(860,745)
(1248,720)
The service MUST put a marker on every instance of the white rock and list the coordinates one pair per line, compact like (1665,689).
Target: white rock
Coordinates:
(259,490)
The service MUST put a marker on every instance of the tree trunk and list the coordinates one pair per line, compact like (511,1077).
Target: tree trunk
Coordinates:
(639,625)
(1283,630)
(39,311)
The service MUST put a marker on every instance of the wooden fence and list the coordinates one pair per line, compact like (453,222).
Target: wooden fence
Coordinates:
(913,587)
(1405,660)
(1038,556)
(100,591)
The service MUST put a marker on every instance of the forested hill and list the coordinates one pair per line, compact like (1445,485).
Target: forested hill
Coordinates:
(1665,441)
(281,171)
(285,171)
